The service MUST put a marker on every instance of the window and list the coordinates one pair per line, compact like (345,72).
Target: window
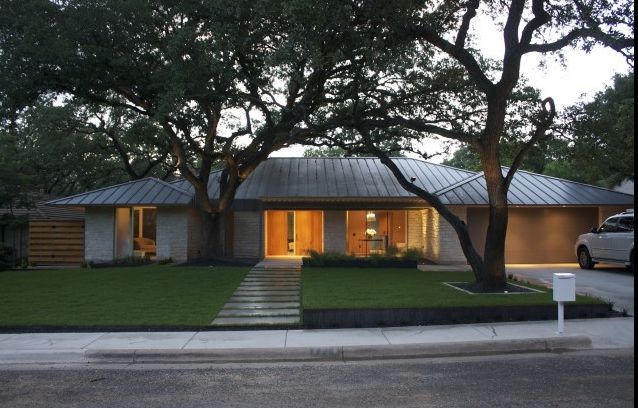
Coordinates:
(626,224)
(135,231)
(609,226)
(373,231)
(144,230)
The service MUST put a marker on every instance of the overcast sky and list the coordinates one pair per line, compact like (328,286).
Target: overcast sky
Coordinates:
(580,79)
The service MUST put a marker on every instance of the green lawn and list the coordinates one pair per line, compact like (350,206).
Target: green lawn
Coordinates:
(377,288)
(122,296)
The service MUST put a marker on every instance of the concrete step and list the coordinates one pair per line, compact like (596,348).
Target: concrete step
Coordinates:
(272,275)
(268,287)
(257,276)
(248,298)
(256,321)
(261,305)
(259,292)
(267,279)
(269,283)
(258,312)
(274,267)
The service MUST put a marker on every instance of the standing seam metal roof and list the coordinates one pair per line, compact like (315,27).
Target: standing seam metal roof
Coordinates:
(148,191)
(355,179)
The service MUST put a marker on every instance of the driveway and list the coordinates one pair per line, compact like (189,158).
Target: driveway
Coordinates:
(608,282)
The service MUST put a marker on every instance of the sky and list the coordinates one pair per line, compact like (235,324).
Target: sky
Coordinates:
(582,76)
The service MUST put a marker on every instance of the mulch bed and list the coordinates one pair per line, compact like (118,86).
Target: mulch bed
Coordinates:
(475,288)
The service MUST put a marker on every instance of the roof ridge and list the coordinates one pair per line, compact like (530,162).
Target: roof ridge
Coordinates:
(459,183)
(169,185)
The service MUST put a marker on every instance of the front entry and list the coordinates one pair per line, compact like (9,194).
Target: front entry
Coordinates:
(293,233)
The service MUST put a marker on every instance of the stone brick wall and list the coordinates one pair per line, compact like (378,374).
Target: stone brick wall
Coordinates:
(334,231)
(415,229)
(432,248)
(450,247)
(99,238)
(172,233)
(194,234)
(248,234)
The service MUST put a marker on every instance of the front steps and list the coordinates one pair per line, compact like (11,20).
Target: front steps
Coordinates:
(268,296)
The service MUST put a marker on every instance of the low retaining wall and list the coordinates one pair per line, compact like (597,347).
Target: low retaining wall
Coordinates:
(349,318)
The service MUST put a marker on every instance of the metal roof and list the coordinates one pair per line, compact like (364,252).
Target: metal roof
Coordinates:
(354,180)
(534,189)
(42,211)
(352,177)
(148,191)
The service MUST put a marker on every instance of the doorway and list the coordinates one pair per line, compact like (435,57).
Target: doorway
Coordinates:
(293,233)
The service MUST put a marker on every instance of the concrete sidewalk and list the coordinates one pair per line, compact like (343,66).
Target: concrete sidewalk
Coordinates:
(313,345)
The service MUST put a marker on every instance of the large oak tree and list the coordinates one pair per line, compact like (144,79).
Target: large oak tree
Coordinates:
(228,81)
(443,86)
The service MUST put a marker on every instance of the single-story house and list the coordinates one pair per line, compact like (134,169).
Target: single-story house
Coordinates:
(289,206)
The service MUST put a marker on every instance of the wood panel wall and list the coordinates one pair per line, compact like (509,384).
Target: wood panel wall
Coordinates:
(277,229)
(56,242)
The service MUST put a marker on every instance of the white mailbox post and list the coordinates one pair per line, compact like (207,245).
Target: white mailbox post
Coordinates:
(564,291)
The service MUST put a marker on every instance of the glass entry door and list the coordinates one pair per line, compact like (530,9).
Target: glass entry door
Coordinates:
(293,233)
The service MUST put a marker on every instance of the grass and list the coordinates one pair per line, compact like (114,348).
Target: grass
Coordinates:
(154,295)
(379,288)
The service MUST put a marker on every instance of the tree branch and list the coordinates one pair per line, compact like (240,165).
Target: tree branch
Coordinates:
(462,55)
(549,113)
(470,13)
(617,44)
(459,226)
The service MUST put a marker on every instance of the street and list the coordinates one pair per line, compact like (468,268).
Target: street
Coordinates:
(583,379)
(609,282)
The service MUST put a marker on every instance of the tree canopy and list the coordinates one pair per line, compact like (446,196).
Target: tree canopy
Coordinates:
(593,142)
(232,81)
(440,84)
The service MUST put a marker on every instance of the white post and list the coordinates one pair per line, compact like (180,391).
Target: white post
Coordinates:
(561,318)
(564,291)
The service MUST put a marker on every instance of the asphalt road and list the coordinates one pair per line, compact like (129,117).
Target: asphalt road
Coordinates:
(584,379)
(612,283)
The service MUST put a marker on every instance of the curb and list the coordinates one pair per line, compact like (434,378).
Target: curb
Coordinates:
(340,353)
(300,354)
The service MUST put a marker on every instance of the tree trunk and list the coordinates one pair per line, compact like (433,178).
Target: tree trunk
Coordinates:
(212,244)
(494,255)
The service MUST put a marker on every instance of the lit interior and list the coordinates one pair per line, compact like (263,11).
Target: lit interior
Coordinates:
(136,232)
(372,232)
(293,233)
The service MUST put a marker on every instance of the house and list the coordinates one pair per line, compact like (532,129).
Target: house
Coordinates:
(289,206)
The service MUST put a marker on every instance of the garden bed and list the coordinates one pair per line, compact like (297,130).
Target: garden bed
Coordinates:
(380,262)
(372,297)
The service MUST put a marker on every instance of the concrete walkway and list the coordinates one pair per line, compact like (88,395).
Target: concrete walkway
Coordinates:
(302,345)
(269,295)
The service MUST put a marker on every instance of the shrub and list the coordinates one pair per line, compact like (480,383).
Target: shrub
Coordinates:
(124,261)
(392,251)
(165,261)
(413,254)
(327,258)
(333,259)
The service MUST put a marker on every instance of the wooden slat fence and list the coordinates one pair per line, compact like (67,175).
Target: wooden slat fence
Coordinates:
(56,242)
